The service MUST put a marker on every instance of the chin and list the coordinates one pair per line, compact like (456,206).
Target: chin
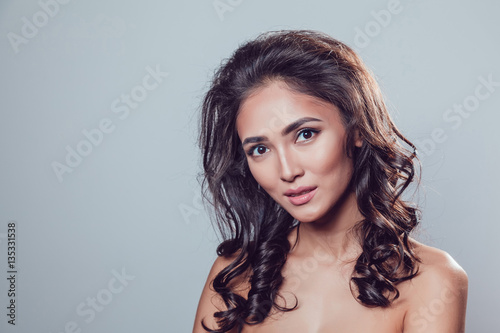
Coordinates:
(305,217)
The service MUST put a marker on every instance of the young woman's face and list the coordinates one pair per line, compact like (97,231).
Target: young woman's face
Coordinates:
(294,145)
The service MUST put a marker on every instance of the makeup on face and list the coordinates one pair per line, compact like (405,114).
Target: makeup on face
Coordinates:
(299,159)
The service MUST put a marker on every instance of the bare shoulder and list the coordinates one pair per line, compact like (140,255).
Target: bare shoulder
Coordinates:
(438,265)
(437,296)
(210,301)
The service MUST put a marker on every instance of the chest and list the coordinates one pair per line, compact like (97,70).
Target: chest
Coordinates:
(326,305)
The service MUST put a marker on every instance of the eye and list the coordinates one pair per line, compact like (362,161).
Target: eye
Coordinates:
(306,134)
(258,150)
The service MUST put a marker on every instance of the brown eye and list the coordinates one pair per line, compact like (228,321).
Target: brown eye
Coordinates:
(306,134)
(258,150)
(261,150)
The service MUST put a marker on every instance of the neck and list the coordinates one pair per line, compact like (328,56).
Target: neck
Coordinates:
(333,235)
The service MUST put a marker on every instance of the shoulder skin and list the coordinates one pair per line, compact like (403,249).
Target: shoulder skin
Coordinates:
(210,301)
(437,296)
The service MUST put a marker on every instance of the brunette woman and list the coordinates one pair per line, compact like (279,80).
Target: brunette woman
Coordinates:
(307,174)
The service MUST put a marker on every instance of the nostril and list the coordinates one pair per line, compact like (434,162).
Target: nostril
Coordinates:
(289,177)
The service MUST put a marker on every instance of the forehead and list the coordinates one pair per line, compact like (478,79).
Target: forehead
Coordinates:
(272,107)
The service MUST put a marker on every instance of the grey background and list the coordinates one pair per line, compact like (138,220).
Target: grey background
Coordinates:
(132,203)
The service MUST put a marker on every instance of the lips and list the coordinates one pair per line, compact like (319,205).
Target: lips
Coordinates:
(301,195)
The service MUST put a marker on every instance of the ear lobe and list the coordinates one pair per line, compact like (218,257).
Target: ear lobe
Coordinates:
(358,139)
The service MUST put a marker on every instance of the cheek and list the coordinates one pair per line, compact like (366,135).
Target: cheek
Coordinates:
(327,159)
(263,173)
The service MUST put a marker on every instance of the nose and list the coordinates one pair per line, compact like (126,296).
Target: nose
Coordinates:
(290,167)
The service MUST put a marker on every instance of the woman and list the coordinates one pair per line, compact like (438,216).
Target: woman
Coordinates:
(306,171)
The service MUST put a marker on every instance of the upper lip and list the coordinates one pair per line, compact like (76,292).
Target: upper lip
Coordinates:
(299,190)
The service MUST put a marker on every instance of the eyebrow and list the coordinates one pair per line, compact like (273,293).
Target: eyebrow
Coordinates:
(290,128)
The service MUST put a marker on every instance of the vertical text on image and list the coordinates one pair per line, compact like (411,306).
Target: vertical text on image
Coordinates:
(11,272)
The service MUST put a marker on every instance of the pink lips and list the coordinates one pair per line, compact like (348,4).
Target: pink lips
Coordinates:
(301,195)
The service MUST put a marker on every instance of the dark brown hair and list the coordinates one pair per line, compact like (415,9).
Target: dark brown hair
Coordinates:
(254,227)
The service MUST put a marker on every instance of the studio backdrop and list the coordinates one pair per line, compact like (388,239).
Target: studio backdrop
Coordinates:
(102,227)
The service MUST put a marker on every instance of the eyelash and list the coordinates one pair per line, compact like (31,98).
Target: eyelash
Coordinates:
(251,151)
(314,131)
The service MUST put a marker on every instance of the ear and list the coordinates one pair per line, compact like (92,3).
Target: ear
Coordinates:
(358,139)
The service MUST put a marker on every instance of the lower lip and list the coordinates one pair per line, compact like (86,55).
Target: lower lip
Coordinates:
(302,199)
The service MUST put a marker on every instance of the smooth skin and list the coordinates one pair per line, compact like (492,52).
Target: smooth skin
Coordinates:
(294,140)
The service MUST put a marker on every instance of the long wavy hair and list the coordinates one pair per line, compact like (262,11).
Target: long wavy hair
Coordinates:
(253,226)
